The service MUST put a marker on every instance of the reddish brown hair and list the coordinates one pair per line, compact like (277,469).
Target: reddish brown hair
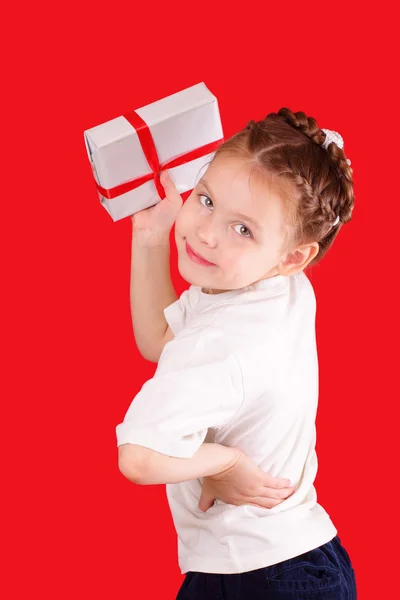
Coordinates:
(317,184)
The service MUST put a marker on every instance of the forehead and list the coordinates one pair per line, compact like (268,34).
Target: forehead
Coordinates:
(235,184)
(230,174)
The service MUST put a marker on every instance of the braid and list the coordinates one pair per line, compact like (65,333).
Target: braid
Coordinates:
(309,127)
(345,175)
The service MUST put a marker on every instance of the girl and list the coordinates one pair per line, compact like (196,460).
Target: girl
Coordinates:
(230,412)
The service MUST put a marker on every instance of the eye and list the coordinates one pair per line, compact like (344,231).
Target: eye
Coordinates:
(244,227)
(208,206)
(206,198)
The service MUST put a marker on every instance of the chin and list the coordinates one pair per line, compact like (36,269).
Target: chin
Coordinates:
(186,272)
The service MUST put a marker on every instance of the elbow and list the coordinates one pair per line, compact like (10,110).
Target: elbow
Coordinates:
(131,464)
(131,473)
(149,353)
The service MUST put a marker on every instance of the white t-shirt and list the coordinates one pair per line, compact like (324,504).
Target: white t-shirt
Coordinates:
(241,371)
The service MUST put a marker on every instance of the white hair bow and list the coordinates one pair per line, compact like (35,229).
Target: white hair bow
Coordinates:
(333,136)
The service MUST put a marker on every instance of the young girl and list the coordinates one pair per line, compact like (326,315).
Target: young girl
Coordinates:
(229,415)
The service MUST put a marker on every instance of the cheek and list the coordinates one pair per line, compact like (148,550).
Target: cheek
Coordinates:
(181,220)
(185,219)
(245,258)
(178,223)
(238,258)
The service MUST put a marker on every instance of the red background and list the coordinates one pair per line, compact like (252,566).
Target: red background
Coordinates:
(73,525)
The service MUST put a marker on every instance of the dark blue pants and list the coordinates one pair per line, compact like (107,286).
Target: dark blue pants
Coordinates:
(325,573)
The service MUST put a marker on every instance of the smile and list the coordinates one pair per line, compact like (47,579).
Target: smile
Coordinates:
(197,258)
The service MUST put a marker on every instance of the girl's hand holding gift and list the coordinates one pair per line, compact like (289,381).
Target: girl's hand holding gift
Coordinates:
(154,224)
(244,483)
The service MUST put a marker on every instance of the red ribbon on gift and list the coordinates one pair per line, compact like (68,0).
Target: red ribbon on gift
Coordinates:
(150,152)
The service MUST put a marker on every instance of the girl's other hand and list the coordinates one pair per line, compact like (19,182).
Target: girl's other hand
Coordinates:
(244,483)
(155,223)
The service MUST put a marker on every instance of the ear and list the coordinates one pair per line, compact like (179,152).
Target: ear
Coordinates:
(297,260)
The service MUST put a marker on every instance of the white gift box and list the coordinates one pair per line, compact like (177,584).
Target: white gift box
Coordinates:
(186,121)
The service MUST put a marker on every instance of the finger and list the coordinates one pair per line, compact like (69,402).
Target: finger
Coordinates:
(262,502)
(277,493)
(276,482)
(206,502)
(171,193)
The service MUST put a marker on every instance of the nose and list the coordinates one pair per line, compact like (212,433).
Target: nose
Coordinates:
(206,232)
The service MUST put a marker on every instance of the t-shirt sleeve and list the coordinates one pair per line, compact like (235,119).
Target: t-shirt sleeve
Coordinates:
(176,313)
(197,386)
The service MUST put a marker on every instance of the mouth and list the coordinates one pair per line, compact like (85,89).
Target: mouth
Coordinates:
(197,258)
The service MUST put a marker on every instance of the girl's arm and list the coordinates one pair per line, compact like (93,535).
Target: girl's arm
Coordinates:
(151,291)
(228,473)
(148,467)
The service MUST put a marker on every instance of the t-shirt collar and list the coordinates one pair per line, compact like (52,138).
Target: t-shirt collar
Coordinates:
(271,284)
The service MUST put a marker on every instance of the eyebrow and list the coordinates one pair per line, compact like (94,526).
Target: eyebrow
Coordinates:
(237,214)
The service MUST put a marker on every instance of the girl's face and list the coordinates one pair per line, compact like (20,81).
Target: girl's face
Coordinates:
(232,222)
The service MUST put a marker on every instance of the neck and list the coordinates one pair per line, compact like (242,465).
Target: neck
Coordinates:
(210,291)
